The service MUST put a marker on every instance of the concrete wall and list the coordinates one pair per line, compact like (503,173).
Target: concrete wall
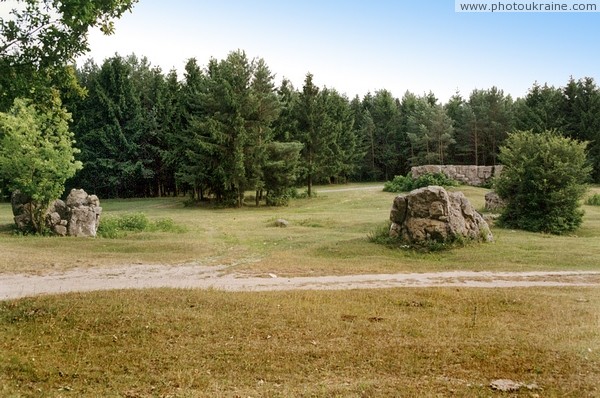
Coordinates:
(470,175)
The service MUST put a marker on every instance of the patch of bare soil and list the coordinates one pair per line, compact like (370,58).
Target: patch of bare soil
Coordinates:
(14,286)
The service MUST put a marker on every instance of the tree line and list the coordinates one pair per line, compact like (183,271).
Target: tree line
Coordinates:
(125,128)
(226,129)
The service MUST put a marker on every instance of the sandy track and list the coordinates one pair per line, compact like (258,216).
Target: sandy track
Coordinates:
(14,286)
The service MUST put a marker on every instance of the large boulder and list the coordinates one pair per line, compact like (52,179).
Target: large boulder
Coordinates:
(434,214)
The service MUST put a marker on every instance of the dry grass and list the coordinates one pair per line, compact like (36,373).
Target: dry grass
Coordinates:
(327,235)
(397,342)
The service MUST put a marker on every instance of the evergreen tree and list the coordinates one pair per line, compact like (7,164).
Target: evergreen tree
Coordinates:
(311,133)
(539,110)
(109,130)
(364,129)
(492,122)
(194,154)
(581,110)
(459,110)
(390,140)
(430,132)
(265,108)
(285,127)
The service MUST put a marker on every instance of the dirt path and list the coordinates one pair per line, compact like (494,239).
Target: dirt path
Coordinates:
(369,188)
(14,286)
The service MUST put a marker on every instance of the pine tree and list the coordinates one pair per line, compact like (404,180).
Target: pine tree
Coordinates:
(109,130)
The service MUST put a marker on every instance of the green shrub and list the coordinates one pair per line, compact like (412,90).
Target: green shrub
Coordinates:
(593,200)
(428,179)
(406,184)
(399,184)
(118,227)
(165,225)
(135,222)
(542,182)
(281,197)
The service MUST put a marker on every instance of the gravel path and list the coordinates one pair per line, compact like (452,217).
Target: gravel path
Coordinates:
(14,286)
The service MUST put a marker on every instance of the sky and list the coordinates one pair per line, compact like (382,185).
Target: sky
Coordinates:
(363,46)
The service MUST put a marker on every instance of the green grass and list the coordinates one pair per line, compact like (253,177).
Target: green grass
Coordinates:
(384,343)
(327,235)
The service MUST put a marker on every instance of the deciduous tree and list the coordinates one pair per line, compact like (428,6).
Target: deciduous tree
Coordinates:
(37,154)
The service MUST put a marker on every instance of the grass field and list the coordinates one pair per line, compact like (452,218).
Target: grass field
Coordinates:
(415,342)
(398,343)
(327,235)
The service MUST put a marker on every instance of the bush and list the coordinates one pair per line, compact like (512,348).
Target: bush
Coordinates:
(281,197)
(118,227)
(398,184)
(542,182)
(406,184)
(593,200)
(428,179)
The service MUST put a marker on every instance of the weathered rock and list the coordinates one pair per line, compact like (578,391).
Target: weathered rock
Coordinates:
(470,175)
(23,222)
(77,198)
(60,207)
(78,216)
(434,214)
(21,209)
(84,213)
(493,201)
(82,222)
(60,230)
(18,201)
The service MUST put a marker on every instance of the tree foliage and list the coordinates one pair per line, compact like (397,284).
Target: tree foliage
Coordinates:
(542,182)
(36,154)
(39,39)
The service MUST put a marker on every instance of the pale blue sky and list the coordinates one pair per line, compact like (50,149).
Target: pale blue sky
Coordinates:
(362,46)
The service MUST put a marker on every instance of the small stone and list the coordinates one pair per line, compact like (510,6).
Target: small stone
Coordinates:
(505,385)
(281,223)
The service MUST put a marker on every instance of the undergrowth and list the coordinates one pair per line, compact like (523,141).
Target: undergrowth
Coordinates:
(408,183)
(593,200)
(119,226)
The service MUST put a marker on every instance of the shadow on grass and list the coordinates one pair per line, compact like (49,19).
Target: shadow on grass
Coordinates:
(7,229)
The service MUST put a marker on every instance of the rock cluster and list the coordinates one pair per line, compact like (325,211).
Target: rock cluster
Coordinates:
(434,214)
(79,215)
(469,175)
